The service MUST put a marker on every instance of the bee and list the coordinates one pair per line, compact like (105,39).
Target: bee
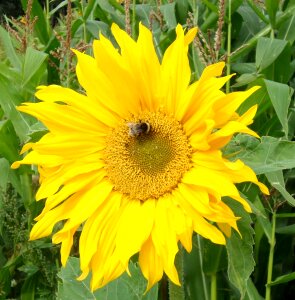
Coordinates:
(139,128)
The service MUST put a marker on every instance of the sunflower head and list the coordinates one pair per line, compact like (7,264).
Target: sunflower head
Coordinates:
(136,160)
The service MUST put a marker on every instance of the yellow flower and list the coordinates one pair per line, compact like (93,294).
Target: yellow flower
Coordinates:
(137,159)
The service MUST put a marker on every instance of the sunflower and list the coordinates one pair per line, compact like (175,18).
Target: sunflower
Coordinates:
(136,159)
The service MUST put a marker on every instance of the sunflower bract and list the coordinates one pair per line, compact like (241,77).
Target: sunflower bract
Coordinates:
(144,192)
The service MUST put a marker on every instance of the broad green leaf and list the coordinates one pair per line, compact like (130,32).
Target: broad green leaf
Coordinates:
(262,218)
(267,51)
(286,30)
(243,68)
(271,8)
(9,48)
(270,155)
(260,98)
(143,12)
(33,64)
(9,73)
(8,100)
(9,142)
(250,26)
(181,10)
(240,250)
(245,79)
(116,16)
(123,288)
(94,28)
(168,11)
(282,68)
(276,179)
(251,292)
(289,229)
(89,8)
(283,279)
(7,175)
(280,97)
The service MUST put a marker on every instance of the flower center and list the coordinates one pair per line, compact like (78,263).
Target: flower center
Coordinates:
(147,155)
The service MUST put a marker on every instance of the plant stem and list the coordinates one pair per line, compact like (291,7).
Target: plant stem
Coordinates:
(133,25)
(176,292)
(228,46)
(84,23)
(201,263)
(270,258)
(47,16)
(213,287)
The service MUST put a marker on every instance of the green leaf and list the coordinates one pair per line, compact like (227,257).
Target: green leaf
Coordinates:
(251,292)
(181,8)
(289,229)
(8,100)
(283,279)
(271,8)
(89,8)
(240,250)
(250,26)
(245,79)
(286,30)
(282,67)
(143,12)
(33,65)
(276,179)
(262,217)
(243,68)
(270,155)
(168,11)
(123,288)
(267,51)
(260,98)
(280,97)
(9,48)
(8,141)
(116,16)
(7,175)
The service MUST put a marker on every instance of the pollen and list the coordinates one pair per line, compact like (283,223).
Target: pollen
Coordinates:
(151,164)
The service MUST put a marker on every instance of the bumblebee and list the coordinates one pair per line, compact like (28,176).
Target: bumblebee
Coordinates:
(139,128)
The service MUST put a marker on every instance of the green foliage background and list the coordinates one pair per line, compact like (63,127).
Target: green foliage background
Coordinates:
(256,39)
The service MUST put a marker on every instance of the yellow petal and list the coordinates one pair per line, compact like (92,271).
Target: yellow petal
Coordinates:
(66,240)
(175,71)
(150,263)
(94,227)
(95,111)
(137,219)
(225,107)
(221,137)
(164,239)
